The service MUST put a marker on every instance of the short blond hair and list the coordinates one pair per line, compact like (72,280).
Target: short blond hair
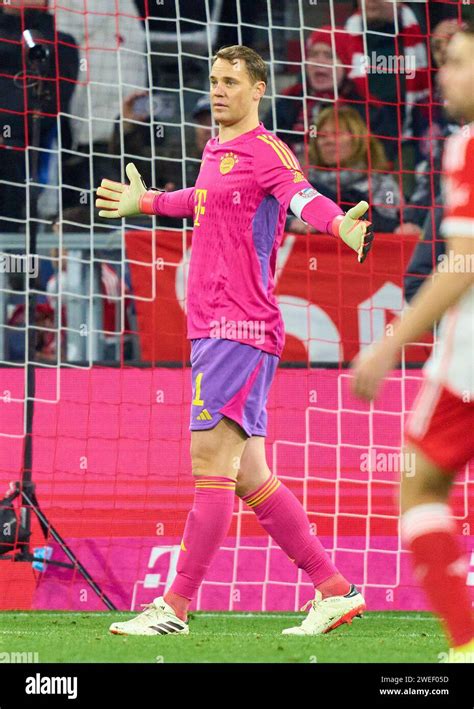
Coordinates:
(256,67)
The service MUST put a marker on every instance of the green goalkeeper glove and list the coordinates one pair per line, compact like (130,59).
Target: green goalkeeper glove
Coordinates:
(354,231)
(121,200)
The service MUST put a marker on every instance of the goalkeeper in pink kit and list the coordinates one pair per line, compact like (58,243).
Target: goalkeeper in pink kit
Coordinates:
(247,182)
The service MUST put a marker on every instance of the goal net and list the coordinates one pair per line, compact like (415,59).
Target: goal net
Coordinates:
(95,363)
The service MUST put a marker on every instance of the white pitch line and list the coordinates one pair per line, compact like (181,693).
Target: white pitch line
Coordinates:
(202,614)
(290,615)
(223,634)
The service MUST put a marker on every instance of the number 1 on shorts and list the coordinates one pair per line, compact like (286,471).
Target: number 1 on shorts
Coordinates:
(197,401)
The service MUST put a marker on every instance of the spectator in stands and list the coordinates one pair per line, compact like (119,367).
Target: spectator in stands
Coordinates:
(417,216)
(323,72)
(428,185)
(111,39)
(168,141)
(394,71)
(18,101)
(45,335)
(138,127)
(348,165)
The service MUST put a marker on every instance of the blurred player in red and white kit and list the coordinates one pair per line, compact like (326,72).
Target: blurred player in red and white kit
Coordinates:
(247,181)
(440,430)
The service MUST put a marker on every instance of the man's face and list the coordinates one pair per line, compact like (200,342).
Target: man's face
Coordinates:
(233,94)
(377,11)
(319,68)
(456,77)
(442,33)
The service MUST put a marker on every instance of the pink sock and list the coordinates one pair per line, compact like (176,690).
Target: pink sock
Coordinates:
(282,515)
(206,528)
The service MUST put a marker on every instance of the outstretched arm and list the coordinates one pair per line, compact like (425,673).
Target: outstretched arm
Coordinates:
(116,200)
(279,173)
(178,203)
(324,215)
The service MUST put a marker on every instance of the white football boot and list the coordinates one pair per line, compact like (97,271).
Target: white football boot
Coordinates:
(325,615)
(158,618)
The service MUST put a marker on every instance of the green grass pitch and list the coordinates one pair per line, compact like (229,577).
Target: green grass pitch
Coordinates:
(221,637)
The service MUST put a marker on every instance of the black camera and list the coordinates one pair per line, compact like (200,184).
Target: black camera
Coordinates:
(38,54)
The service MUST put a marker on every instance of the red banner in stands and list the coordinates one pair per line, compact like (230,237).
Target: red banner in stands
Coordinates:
(331,305)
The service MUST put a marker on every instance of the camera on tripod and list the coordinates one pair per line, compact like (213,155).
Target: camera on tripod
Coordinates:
(40,67)
(38,54)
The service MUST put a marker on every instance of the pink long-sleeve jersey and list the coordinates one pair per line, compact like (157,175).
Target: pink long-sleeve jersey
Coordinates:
(239,205)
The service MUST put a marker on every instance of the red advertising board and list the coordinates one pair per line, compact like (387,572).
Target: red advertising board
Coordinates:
(331,304)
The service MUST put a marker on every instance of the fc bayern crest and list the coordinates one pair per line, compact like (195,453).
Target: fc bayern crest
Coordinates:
(227,163)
